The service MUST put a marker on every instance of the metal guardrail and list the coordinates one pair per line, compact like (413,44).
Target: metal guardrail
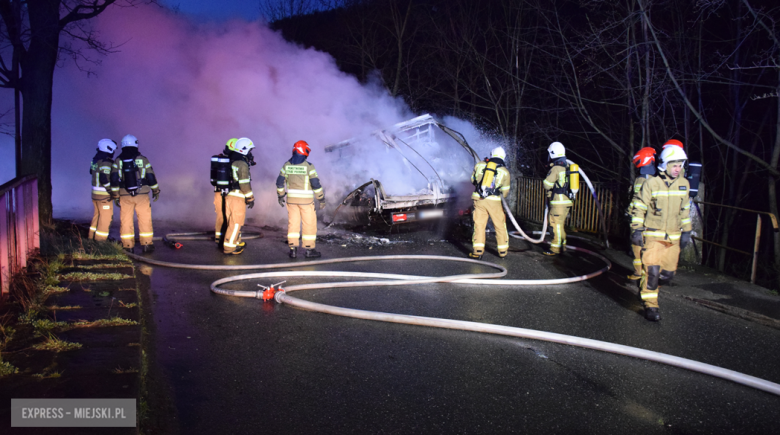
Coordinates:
(19,226)
(584,216)
(754,254)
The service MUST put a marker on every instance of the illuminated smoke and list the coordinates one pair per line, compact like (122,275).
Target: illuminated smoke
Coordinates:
(183,89)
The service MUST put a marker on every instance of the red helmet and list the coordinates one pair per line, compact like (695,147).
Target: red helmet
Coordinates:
(673,142)
(302,148)
(644,157)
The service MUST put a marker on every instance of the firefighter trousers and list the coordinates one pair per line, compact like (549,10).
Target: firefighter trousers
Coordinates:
(220,210)
(297,214)
(657,256)
(101,219)
(235,213)
(484,209)
(557,220)
(141,206)
(637,250)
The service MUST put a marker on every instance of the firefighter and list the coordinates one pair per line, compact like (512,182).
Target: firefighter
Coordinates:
(559,196)
(661,224)
(100,170)
(132,177)
(240,196)
(219,203)
(644,160)
(492,181)
(302,185)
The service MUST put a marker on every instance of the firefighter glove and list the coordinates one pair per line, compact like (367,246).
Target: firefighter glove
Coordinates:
(155,195)
(281,201)
(116,201)
(636,238)
(250,203)
(685,240)
(322,204)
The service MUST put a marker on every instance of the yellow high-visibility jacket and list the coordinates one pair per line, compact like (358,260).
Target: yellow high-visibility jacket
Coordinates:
(301,182)
(662,208)
(502,180)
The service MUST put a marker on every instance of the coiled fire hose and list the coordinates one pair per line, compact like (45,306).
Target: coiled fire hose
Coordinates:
(283,296)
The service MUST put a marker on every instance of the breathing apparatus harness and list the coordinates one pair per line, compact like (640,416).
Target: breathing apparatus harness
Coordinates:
(487,185)
(572,184)
(221,170)
(132,181)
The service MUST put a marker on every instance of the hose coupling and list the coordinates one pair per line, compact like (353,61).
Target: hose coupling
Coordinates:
(269,292)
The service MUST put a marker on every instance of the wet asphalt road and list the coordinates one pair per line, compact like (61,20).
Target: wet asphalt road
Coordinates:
(236,365)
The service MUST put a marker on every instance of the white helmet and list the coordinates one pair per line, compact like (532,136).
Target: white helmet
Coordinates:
(556,150)
(671,154)
(244,145)
(498,152)
(107,145)
(130,141)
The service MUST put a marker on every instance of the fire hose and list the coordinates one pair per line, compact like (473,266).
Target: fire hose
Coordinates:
(283,296)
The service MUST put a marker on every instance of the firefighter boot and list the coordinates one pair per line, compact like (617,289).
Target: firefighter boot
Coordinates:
(652,314)
(293,252)
(475,256)
(239,249)
(311,253)
(147,249)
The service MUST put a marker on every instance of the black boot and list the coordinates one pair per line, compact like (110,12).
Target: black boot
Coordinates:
(311,253)
(652,314)
(130,250)
(293,252)
(549,252)
(147,249)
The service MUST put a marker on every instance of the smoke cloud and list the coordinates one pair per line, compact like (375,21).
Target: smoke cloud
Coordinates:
(183,89)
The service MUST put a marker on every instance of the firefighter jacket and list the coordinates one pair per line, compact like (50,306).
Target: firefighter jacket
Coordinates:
(556,184)
(301,182)
(144,174)
(638,183)
(100,170)
(501,181)
(662,209)
(242,179)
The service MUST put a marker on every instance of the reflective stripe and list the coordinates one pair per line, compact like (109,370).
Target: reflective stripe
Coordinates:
(660,234)
(300,195)
(547,183)
(299,191)
(555,245)
(155,187)
(652,295)
(313,173)
(248,194)
(505,188)
(101,233)
(670,193)
(318,190)
(236,193)
(244,181)
(686,221)
(280,190)
(93,228)
(127,236)
(229,245)
(493,198)
(638,262)
(674,236)
(479,245)
(233,237)
(217,234)
(639,205)
(502,247)
(145,234)
(293,235)
(560,202)
(99,188)
(637,220)
(309,237)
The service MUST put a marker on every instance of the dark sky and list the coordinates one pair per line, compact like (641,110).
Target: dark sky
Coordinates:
(217,10)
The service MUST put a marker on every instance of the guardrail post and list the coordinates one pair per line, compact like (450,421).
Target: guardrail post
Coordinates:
(755,251)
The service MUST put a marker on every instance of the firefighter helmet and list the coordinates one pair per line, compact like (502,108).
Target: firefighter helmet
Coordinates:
(498,153)
(644,157)
(673,142)
(130,141)
(231,144)
(302,148)
(107,146)
(671,154)
(244,145)
(556,150)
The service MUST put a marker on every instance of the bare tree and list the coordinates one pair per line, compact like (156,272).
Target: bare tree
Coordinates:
(33,29)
